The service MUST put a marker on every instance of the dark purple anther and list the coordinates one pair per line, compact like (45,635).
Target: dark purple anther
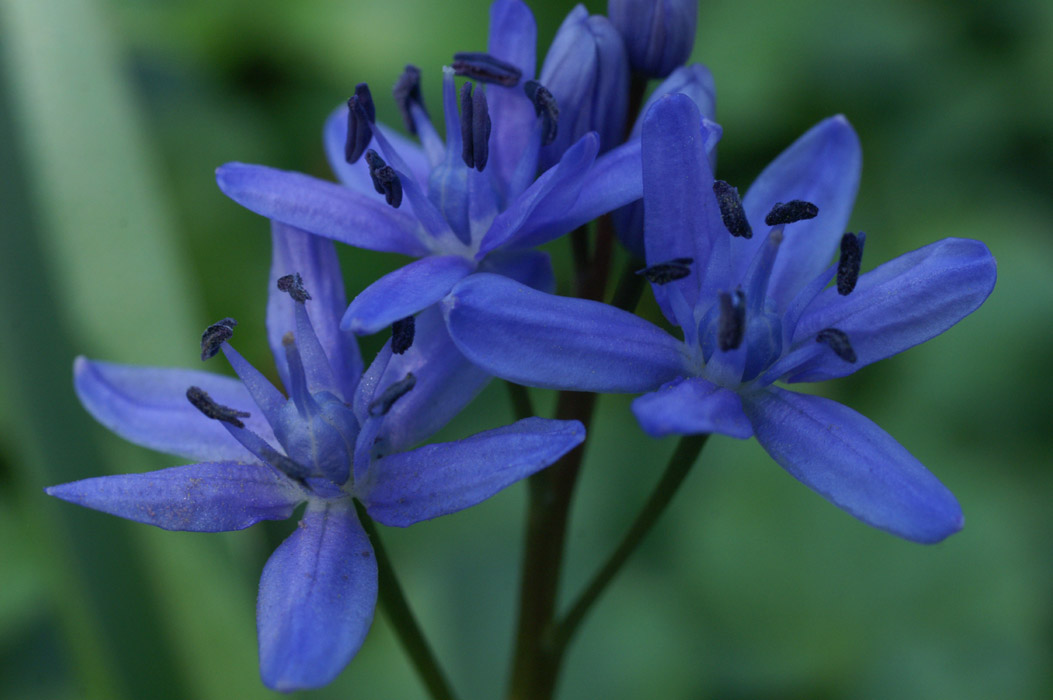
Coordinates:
(545,107)
(361,113)
(467,144)
(385,179)
(838,342)
(848,264)
(402,332)
(475,127)
(293,286)
(407,93)
(790,212)
(666,272)
(204,403)
(731,211)
(383,403)
(485,68)
(732,322)
(214,337)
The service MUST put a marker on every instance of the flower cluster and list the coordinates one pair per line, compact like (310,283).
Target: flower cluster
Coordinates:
(763,289)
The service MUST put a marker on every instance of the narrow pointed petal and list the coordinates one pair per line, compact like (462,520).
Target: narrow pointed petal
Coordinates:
(356,175)
(821,167)
(148,406)
(551,196)
(404,292)
(513,37)
(898,305)
(317,596)
(435,480)
(446,382)
(692,406)
(681,214)
(854,464)
(207,497)
(323,208)
(538,339)
(314,259)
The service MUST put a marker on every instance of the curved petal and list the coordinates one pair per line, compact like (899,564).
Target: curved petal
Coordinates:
(538,339)
(356,175)
(404,292)
(681,216)
(207,497)
(317,596)
(695,81)
(434,480)
(551,195)
(446,382)
(314,258)
(322,208)
(894,307)
(854,464)
(148,406)
(821,167)
(691,406)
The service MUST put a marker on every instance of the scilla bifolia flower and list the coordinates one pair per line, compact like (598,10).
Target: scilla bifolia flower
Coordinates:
(262,454)
(659,34)
(746,282)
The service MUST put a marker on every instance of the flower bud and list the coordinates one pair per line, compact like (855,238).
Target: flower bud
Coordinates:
(658,34)
(587,72)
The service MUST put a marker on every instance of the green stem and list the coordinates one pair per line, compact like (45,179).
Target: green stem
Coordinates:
(398,612)
(679,465)
(522,406)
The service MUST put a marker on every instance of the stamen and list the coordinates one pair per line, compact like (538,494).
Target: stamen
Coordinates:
(406,93)
(664,273)
(467,150)
(544,107)
(361,113)
(838,342)
(385,179)
(731,210)
(204,403)
(732,322)
(293,286)
(383,403)
(214,337)
(848,264)
(480,129)
(402,332)
(790,212)
(485,68)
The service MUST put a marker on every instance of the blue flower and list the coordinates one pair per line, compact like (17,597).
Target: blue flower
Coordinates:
(471,203)
(338,436)
(659,34)
(754,308)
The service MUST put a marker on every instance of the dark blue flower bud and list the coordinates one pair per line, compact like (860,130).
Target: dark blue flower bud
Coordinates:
(790,212)
(838,342)
(214,337)
(666,272)
(361,113)
(407,93)
(204,403)
(659,34)
(587,71)
(486,68)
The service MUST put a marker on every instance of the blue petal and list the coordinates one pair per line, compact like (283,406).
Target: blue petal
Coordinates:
(314,258)
(658,35)
(513,36)
(821,167)
(695,81)
(538,339)
(148,406)
(551,196)
(854,464)
(691,406)
(446,383)
(681,215)
(208,497)
(404,292)
(435,480)
(900,304)
(322,208)
(356,175)
(317,596)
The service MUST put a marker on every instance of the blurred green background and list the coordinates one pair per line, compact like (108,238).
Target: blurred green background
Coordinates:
(117,244)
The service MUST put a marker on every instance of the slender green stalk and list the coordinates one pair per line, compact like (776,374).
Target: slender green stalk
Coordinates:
(683,458)
(398,612)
